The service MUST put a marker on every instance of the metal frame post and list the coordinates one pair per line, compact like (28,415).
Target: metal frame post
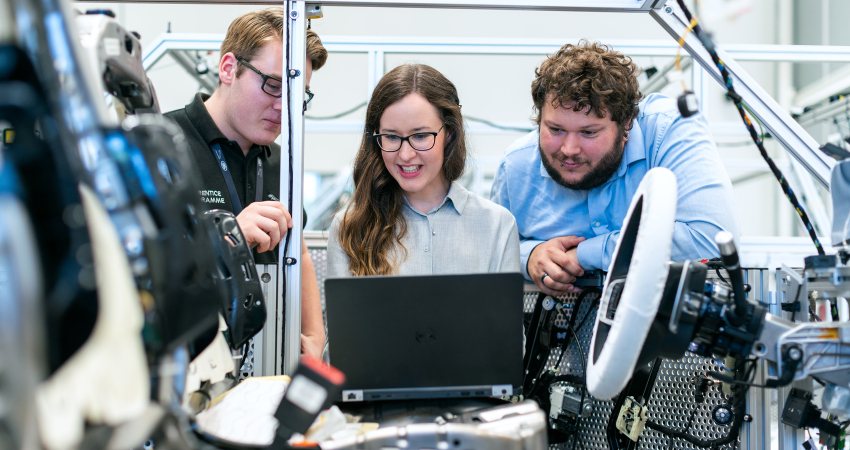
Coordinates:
(292,140)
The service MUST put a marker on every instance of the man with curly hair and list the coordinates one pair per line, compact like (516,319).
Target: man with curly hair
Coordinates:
(569,183)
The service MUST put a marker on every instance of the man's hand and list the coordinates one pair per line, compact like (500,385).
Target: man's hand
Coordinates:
(312,345)
(264,224)
(553,265)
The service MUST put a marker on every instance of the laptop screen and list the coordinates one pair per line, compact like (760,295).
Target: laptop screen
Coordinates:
(426,336)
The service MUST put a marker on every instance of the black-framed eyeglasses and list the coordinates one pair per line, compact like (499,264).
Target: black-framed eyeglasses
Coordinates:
(271,85)
(308,97)
(421,141)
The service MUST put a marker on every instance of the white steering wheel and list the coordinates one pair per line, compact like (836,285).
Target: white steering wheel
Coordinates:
(634,286)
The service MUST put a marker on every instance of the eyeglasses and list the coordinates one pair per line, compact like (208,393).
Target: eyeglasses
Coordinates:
(421,142)
(308,97)
(271,85)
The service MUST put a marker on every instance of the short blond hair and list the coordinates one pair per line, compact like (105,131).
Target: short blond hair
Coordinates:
(250,31)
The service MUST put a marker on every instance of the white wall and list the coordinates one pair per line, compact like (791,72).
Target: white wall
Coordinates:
(495,88)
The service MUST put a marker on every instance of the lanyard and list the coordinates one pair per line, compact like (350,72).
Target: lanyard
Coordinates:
(228,179)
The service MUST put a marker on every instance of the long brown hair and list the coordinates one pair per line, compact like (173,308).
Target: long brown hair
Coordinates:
(373,223)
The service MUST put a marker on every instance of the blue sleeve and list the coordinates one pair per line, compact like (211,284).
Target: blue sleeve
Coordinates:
(704,205)
(595,253)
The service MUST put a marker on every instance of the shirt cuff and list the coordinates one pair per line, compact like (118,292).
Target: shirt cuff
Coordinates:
(525,249)
(590,253)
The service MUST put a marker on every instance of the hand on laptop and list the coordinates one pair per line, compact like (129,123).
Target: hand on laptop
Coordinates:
(312,346)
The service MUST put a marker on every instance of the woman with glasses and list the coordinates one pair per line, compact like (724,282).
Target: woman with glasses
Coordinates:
(408,214)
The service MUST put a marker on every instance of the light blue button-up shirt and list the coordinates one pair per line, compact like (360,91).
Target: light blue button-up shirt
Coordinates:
(659,137)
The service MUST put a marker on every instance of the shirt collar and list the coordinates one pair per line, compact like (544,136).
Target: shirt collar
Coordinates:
(457,197)
(209,131)
(634,150)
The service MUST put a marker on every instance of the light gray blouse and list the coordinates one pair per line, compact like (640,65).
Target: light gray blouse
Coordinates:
(465,234)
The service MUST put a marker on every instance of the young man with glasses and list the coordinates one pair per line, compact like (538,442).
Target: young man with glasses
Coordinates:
(409,215)
(231,135)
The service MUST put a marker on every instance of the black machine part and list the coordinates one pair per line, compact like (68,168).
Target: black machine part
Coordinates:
(119,56)
(242,303)
(800,412)
(180,250)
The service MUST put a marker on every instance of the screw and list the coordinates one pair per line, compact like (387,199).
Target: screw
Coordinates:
(722,415)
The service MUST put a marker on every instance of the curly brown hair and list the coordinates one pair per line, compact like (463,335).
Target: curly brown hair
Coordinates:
(588,75)
(373,225)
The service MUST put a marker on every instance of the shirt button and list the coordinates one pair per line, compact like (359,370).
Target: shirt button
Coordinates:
(426,249)
(596,223)
(433,233)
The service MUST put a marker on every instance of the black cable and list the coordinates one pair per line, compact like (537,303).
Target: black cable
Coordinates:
(566,345)
(580,352)
(721,277)
(244,356)
(688,424)
(738,403)
(813,316)
(587,293)
(289,127)
(583,296)
(708,44)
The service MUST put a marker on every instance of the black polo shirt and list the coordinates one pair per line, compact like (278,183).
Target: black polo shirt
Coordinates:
(201,133)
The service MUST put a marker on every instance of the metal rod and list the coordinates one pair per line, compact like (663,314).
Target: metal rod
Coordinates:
(189,65)
(292,141)
(543,5)
(797,142)
(659,80)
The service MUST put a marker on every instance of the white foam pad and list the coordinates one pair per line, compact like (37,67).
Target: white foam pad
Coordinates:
(106,381)
(213,364)
(649,228)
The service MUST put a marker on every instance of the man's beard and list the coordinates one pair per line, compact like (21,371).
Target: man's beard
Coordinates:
(597,176)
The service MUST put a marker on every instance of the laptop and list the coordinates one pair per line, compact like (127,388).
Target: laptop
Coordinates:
(426,337)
